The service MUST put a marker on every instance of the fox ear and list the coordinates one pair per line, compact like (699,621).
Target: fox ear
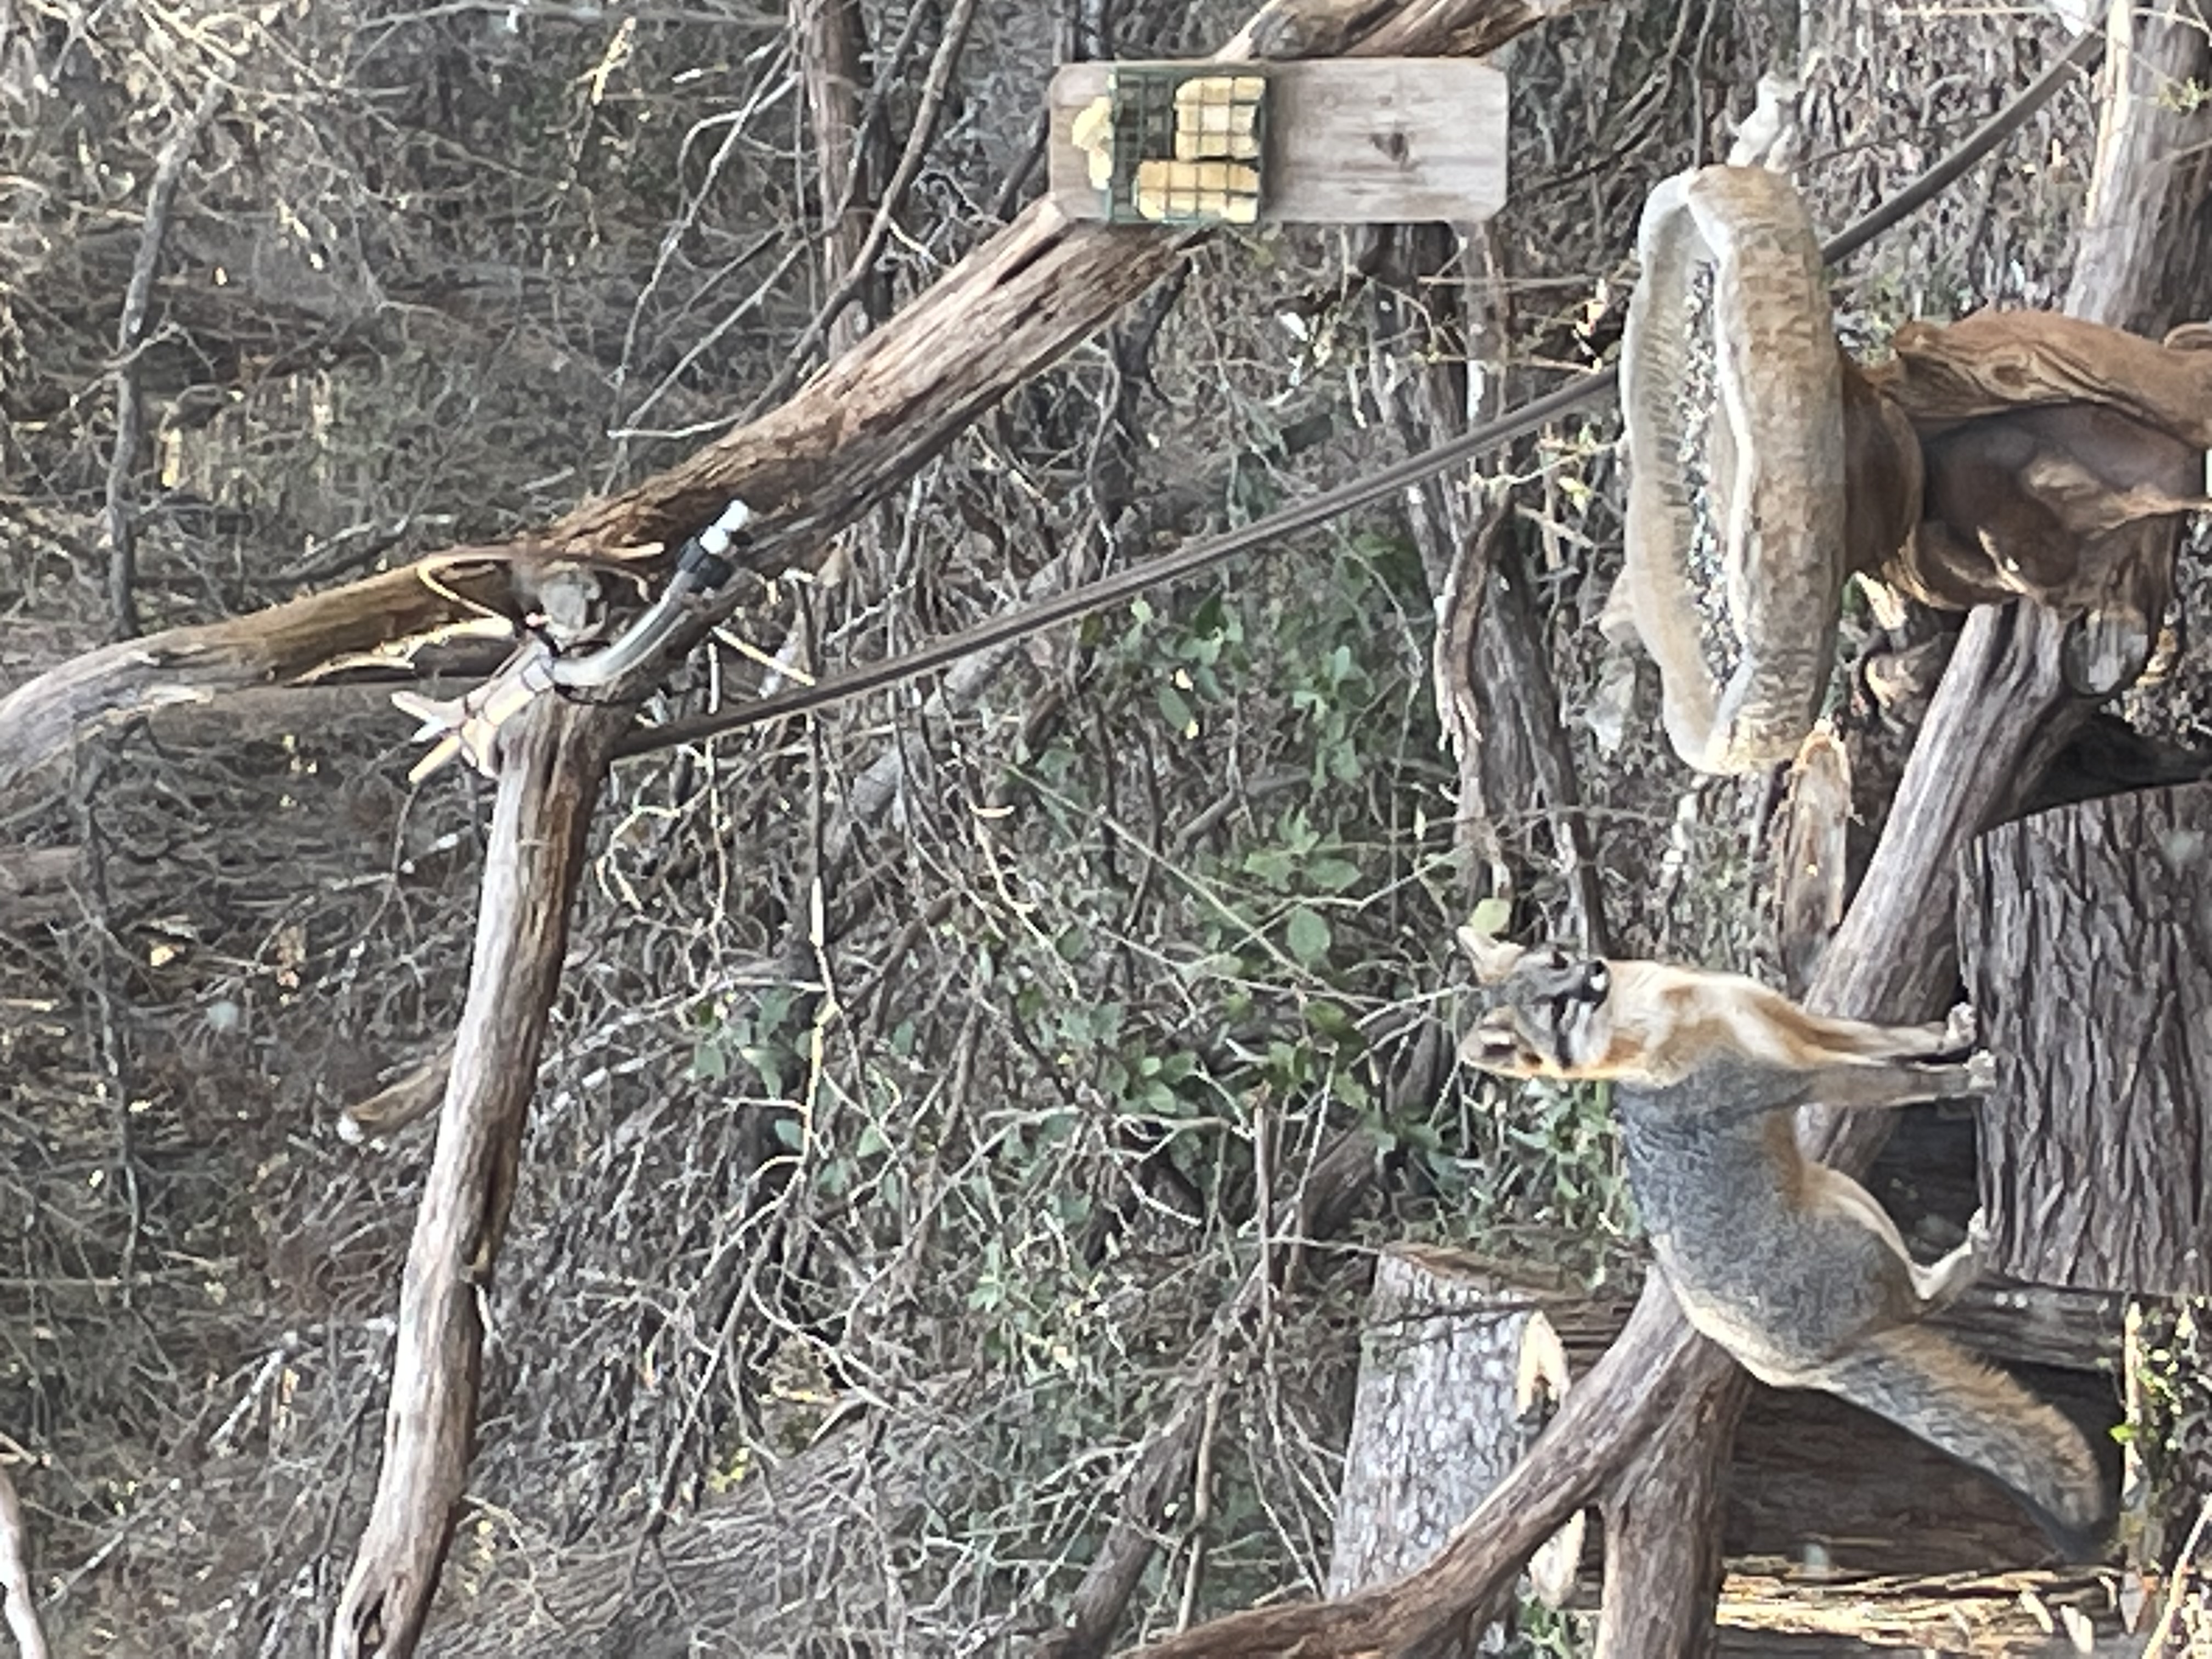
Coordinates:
(1493,959)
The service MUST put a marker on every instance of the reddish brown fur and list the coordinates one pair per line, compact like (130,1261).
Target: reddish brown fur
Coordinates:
(1666,1021)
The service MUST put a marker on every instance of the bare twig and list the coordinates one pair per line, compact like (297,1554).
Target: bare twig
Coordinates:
(130,331)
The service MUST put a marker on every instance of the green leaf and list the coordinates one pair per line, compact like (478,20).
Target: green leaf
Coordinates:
(1492,917)
(1307,935)
(1332,875)
(1175,709)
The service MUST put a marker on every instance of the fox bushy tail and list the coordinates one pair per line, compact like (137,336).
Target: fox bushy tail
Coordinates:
(1923,1382)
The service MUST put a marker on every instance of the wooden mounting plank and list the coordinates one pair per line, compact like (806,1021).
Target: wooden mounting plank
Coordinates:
(1351,141)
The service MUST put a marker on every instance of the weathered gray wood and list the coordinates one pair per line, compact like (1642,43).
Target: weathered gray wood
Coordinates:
(1378,141)
(2087,933)
(2145,238)
(1782,1611)
(549,777)
(1434,1422)
(40,884)
(1662,1533)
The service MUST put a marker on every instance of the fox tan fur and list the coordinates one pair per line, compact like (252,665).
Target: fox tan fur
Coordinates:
(1600,1019)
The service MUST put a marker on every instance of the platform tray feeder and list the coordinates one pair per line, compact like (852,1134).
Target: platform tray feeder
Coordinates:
(1189,144)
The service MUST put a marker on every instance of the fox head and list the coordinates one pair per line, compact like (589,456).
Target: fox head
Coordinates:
(1543,1008)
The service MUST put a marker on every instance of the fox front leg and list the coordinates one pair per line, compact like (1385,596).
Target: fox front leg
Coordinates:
(1891,1084)
(1747,1089)
(1941,1282)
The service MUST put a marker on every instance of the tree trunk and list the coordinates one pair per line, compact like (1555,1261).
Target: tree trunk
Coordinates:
(2088,941)
(2148,237)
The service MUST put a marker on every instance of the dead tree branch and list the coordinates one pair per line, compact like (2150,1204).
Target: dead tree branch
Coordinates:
(16,1573)
(842,443)
(549,782)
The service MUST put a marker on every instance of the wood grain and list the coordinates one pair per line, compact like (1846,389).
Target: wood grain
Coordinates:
(1350,141)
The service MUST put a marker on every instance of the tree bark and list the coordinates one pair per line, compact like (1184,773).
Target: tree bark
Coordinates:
(2088,944)
(1662,1528)
(831,36)
(548,781)
(1434,1423)
(1992,1614)
(2148,235)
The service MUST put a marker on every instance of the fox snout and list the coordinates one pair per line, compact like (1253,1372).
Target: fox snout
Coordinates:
(1493,1045)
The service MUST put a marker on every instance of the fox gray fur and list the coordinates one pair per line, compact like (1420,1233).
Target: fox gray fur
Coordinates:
(1797,1272)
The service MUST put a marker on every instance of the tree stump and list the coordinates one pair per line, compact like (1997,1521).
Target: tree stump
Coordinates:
(2085,934)
(1435,1424)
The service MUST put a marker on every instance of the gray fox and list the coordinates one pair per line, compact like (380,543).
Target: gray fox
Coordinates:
(1791,1266)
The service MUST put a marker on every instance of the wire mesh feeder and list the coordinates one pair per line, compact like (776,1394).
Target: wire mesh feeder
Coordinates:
(1177,144)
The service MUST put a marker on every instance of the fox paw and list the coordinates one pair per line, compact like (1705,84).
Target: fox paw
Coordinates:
(1981,1073)
(1962,1028)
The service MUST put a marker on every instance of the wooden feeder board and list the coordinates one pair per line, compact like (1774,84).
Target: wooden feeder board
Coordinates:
(1332,141)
